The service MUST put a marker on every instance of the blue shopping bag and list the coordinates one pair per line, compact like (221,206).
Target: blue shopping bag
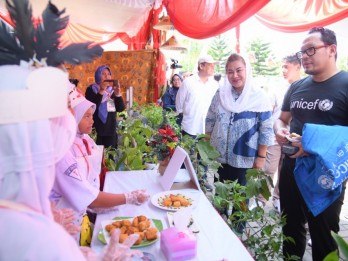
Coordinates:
(320,175)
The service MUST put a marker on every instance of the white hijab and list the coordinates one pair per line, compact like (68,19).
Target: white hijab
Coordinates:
(30,149)
(252,98)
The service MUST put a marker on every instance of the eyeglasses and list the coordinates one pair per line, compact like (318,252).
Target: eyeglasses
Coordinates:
(309,51)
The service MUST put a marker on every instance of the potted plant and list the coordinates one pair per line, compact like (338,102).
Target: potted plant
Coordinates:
(163,144)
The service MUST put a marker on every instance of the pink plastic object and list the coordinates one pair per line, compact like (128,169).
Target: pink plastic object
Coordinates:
(178,246)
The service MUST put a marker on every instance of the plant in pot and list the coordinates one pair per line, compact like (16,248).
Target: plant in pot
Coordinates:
(163,144)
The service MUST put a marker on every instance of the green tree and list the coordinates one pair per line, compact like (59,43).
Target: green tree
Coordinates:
(262,59)
(189,58)
(220,50)
(342,63)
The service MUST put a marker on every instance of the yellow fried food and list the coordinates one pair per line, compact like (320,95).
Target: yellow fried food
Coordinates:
(142,218)
(123,237)
(135,222)
(126,223)
(117,224)
(140,225)
(175,201)
(184,202)
(174,198)
(132,230)
(109,227)
(167,202)
(151,233)
(123,229)
(177,204)
(143,225)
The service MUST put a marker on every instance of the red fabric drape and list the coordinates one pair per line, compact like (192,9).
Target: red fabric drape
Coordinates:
(299,16)
(159,69)
(208,18)
(77,33)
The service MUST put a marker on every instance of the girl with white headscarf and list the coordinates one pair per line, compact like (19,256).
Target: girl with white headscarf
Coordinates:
(239,122)
(77,175)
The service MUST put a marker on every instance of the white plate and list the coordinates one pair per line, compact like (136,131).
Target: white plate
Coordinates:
(191,196)
(296,139)
(191,226)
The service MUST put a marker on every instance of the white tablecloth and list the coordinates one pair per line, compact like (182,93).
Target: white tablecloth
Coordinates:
(215,241)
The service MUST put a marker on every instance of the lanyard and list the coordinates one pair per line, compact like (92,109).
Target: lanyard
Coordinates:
(84,156)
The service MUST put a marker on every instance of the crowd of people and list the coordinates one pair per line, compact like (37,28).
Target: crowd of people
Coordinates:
(249,130)
(49,178)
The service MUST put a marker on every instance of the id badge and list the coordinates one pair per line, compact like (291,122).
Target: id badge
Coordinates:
(111,106)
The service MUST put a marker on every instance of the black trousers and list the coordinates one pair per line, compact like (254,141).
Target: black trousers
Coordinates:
(227,172)
(297,214)
(107,141)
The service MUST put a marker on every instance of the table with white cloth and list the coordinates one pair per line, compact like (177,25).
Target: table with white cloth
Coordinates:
(215,241)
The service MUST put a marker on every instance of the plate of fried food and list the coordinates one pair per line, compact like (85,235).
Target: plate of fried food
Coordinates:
(173,200)
(294,137)
(148,229)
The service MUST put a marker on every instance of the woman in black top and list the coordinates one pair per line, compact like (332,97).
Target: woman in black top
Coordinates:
(108,100)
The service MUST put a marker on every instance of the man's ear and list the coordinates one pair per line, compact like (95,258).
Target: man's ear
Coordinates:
(333,50)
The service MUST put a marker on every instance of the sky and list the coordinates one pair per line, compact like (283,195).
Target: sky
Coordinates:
(287,43)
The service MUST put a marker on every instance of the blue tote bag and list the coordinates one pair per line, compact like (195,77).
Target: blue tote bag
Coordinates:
(320,175)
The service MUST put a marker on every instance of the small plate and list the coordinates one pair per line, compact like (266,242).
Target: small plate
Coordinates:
(104,236)
(191,226)
(296,139)
(157,200)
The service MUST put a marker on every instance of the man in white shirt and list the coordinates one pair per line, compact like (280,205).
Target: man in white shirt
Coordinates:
(291,68)
(194,97)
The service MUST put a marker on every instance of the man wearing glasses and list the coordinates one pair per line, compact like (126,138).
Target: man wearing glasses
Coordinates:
(320,98)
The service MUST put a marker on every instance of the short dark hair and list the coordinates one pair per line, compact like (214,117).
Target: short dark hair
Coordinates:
(327,36)
(292,59)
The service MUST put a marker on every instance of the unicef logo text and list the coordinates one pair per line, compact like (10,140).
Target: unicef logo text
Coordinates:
(324,105)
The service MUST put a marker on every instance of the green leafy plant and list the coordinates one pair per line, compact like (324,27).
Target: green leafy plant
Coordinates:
(264,240)
(343,247)
(202,155)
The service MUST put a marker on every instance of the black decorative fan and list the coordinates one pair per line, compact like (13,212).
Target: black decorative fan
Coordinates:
(41,43)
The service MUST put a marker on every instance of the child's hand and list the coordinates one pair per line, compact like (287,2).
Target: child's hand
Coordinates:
(137,197)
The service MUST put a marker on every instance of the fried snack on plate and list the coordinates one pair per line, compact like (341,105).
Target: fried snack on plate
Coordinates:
(177,204)
(142,218)
(175,201)
(135,222)
(151,233)
(126,223)
(140,225)
(123,229)
(143,225)
(123,237)
(167,202)
(132,230)
(117,224)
